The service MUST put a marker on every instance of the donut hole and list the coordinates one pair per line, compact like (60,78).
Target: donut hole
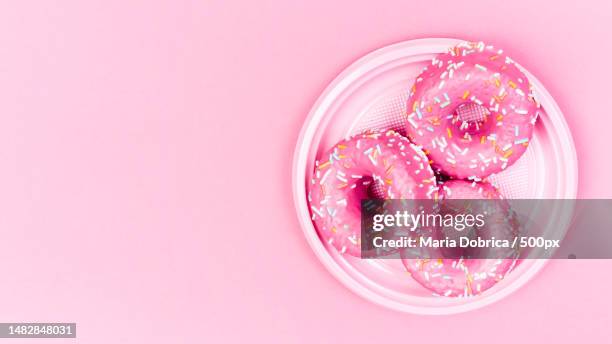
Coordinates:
(461,229)
(376,191)
(453,234)
(470,117)
(368,188)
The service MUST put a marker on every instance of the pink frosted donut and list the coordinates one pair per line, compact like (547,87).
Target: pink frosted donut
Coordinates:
(466,277)
(369,165)
(472,110)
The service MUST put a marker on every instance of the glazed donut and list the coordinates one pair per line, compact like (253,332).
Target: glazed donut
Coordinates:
(472,110)
(370,165)
(459,277)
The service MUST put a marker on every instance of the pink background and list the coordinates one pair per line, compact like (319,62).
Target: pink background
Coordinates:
(146,152)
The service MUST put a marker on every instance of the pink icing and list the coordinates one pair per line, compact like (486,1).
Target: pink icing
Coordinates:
(472,111)
(369,165)
(466,277)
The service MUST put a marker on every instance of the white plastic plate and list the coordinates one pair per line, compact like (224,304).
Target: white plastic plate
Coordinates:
(371,94)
